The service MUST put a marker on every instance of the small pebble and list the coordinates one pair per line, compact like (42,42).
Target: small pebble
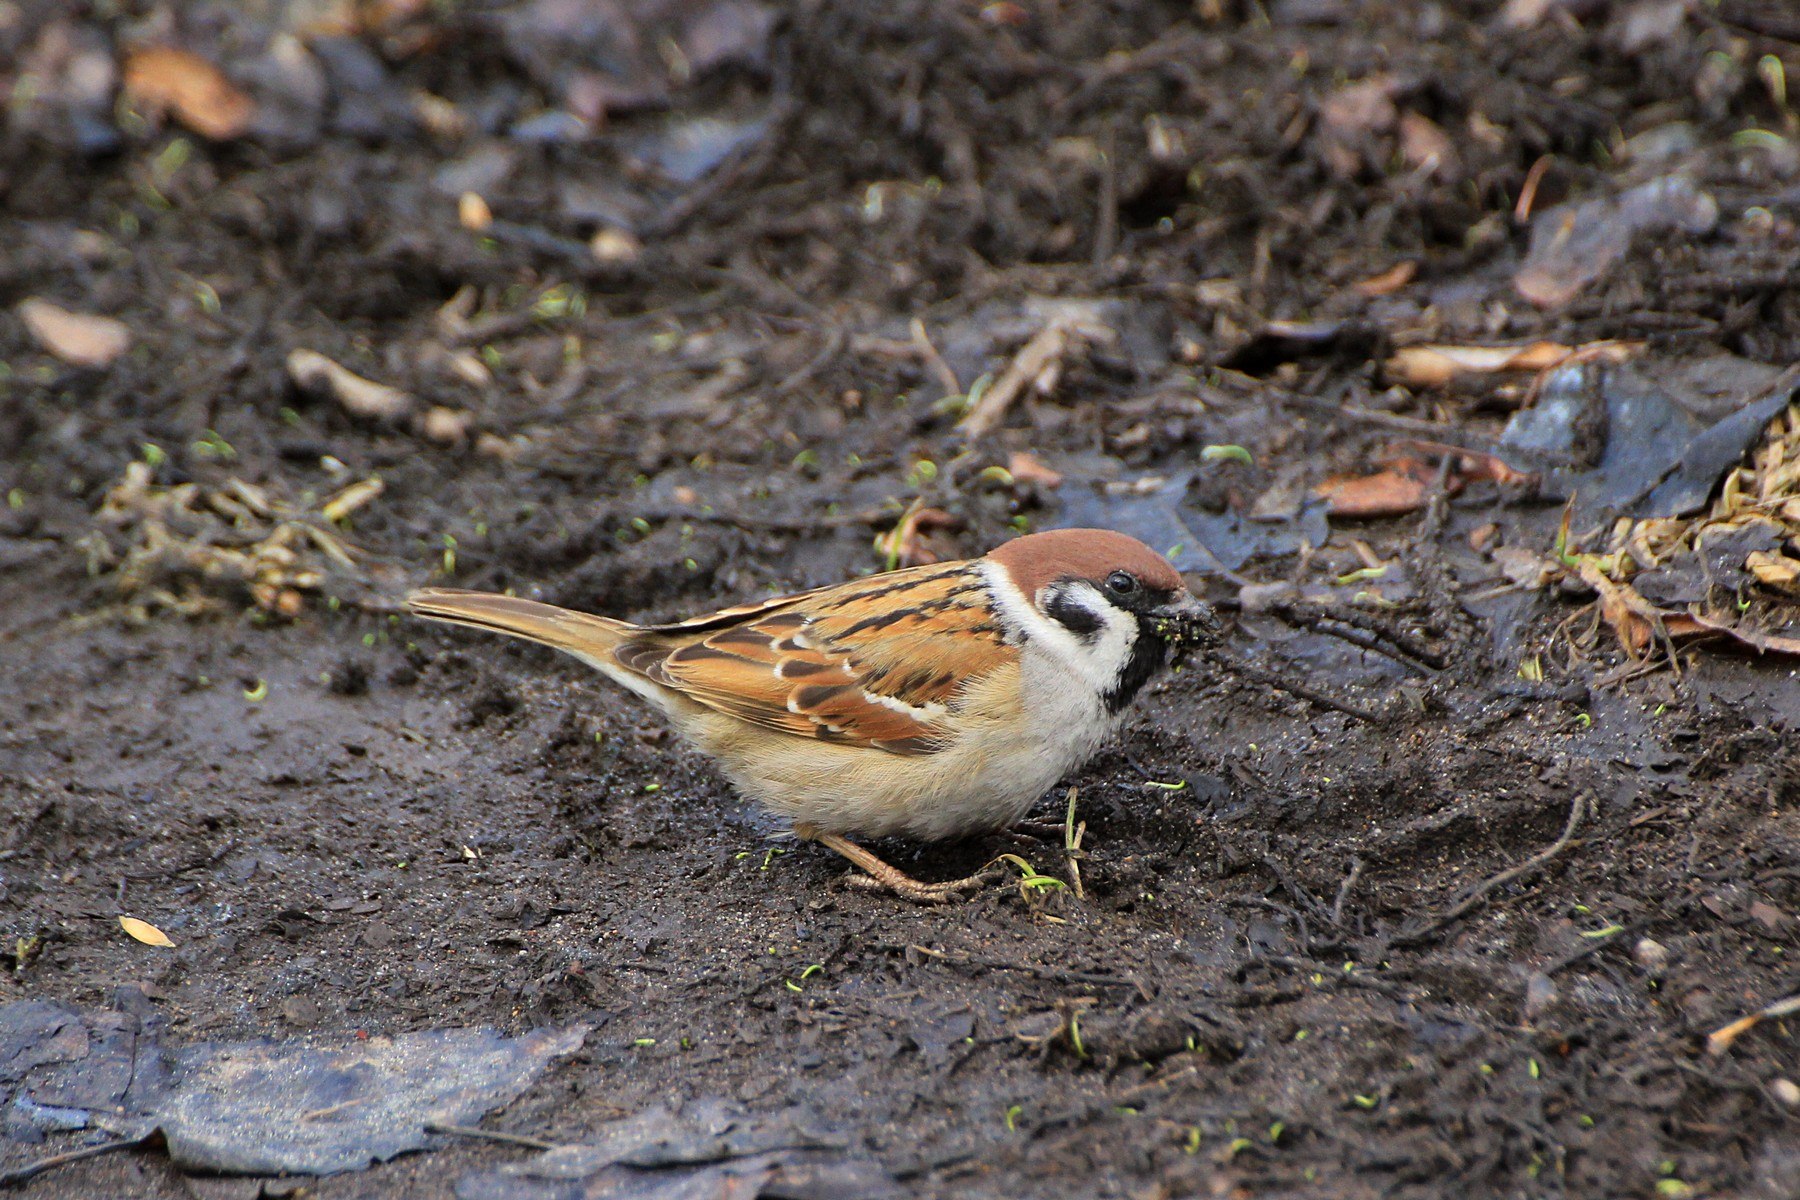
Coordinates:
(1651,955)
(1786,1091)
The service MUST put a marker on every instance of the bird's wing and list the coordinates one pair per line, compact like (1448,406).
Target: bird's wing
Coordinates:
(877,662)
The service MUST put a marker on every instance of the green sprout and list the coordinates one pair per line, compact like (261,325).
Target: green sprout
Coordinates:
(1227,453)
(1030,877)
(211,445)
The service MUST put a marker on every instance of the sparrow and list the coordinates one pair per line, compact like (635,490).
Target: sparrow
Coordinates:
(932,702)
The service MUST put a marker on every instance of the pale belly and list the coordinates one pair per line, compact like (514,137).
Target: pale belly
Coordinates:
(986,780)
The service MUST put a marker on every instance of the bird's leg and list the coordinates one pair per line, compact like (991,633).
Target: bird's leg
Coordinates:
(1042,829)
(880,875)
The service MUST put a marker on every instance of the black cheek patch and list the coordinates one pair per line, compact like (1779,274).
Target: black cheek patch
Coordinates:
(1148,653)
(1079,621)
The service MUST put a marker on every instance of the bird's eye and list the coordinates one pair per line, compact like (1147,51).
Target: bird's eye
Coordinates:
(1122,583)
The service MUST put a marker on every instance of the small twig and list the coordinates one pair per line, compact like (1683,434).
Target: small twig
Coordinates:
(871,517)
(1720,1039)
(1106,221)
(1386,420)
(1305,691)
(488,1135)
(1528,193)
(31,1170)
(1400,645)
(334,1109)
(1343,892)
(1412,937)
(934,362)
(1043,351)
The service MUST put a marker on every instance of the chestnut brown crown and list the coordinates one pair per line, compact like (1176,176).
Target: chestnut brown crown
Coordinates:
(1091,554)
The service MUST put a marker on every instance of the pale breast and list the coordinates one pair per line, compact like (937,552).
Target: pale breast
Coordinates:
(985,779)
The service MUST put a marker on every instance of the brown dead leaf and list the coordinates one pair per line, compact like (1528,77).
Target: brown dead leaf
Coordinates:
(1425,146)
(1389,281)
(1027,469)
(1438,365)
(1699,624)
(473,213)
(1471,466)
(1402,487)
(80,339)
(145,932)
(1774,570)
(1407,476)
(1637,623)
(164,79)
(1634,620)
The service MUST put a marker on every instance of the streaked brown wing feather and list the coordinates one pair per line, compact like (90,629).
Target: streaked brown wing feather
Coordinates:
(878,662)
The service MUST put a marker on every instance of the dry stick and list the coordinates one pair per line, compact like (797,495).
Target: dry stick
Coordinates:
(1106,220)
(1407,643)
(1577,810)
(1295,687)
(1447,434)
(32,1170)
(1046,346)
(1343,892)
(934,361)
(488,1135)
(1719,1040)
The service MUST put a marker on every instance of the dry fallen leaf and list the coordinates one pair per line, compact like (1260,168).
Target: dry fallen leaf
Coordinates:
(1425,146)
(1389,281)
(1437,365)
(1027,469)
(81,339)
(445,425)
(164,79)
(145,932)
(473,213)
(1401,488)
(1405,481)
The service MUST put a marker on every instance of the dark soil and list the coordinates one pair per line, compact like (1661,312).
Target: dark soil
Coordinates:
(350,821)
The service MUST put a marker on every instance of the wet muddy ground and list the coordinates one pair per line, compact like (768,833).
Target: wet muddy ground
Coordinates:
(1455,909)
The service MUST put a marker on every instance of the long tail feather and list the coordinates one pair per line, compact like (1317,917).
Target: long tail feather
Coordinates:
(587,637)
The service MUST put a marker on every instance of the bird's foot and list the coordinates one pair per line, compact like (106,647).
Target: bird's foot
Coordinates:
(882,876)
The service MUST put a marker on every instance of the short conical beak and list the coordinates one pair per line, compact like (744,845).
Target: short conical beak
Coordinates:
(1194,613)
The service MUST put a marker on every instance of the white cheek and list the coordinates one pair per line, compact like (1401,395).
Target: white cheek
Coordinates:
(1108,653)
(1096,660)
